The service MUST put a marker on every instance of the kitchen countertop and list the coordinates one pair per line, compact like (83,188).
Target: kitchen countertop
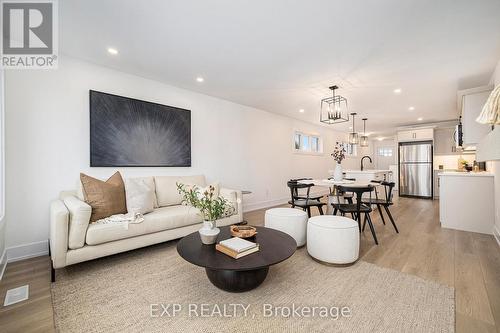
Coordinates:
(465,174)
(366,171)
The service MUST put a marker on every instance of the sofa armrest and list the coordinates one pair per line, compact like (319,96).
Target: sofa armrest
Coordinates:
(59,220)
(234,196)
(79,219)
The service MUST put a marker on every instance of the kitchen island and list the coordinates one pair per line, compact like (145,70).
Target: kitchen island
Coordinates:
(369,174)
(466,201)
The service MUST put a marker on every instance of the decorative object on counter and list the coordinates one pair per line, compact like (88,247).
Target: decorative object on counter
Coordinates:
(211,206)
(363,142)
(338,155)
(353,136)
(243,231)
(334,109)
(491,110)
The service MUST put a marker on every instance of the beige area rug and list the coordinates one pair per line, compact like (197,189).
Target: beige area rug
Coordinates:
(116,294)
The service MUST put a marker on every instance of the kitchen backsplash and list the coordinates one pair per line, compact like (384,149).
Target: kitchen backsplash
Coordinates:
(451,161)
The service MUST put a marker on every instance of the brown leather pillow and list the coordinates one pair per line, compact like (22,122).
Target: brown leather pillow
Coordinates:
(106,198)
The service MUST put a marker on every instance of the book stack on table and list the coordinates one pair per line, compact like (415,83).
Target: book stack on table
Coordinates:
(237,247)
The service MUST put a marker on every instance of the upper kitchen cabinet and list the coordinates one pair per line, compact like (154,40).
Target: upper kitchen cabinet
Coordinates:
(417,134)
(472,102)
(444,143)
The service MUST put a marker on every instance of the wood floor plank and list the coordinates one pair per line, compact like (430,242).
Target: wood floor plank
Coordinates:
(470,291)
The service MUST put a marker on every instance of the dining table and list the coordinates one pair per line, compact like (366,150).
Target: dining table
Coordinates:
(331,185)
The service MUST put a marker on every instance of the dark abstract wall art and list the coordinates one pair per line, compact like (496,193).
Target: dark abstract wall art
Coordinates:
(126,132)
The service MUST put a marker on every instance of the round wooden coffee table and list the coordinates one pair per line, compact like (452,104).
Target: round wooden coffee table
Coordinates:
(243,274)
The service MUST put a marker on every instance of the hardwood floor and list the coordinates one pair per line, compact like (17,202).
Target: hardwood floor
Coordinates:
(469,262)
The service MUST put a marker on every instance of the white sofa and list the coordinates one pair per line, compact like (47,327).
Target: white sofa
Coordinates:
(73,239)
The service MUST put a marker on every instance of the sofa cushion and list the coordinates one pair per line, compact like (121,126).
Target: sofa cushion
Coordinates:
(150,182)
(164,218)
(106,198)
(166,188)
(79,217)
(140,196)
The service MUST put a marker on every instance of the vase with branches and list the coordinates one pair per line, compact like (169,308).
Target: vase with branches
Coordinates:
(338,155)
(211,208)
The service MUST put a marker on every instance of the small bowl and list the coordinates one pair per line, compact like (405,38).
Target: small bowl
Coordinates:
(243,231)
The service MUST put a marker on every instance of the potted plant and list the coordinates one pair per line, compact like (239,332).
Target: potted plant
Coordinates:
(211,207)
(338,155)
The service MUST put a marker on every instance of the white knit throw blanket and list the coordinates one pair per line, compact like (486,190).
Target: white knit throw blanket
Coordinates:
(122,219)
(491,110)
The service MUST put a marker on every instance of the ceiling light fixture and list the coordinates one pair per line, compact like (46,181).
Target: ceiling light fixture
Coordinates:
(420,119)
(411,108)
(200,79)
(397,91)
(334,109)
(363,141)
(112,51)
(353,136)
(380,138)
(301,110)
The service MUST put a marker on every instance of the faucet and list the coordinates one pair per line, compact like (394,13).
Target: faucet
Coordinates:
(362,158)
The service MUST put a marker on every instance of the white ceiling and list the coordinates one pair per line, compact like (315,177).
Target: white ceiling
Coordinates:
(282,55)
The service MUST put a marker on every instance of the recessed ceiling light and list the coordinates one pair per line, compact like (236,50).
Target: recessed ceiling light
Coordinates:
(411,108)
(397,91)
(420,119)
(380,138)
(301,110)
(112,51)
(200,79)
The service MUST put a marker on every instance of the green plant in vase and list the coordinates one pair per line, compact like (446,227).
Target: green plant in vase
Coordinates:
(211,206)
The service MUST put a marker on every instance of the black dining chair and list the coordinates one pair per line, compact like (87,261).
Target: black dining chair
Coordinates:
(347,196)
(303,196)
(304,202)
(385,202)
(357,208)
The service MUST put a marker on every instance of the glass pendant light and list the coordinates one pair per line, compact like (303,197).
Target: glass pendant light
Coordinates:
(363,142)
(353,137)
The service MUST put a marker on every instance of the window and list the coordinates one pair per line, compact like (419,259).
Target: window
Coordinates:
(307,143)
(385,151)
(350,149)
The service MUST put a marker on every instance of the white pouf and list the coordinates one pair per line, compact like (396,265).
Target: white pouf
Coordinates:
(289,220)
(333,239)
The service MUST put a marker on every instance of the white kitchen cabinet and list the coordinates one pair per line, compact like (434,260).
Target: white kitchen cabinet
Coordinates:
(444,143)
(466,201)
(418,134)
(472,104)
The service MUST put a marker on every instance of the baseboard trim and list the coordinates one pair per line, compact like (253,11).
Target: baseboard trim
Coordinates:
(264,204)
(496,234)
(26,251)
(3,263)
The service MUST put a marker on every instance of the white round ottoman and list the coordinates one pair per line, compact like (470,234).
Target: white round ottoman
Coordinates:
(289,220)
(333,239)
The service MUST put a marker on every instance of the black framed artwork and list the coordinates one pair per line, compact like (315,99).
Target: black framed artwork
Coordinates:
(126,132)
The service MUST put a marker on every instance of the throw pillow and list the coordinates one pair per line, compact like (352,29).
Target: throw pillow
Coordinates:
(140,196)
(106,198)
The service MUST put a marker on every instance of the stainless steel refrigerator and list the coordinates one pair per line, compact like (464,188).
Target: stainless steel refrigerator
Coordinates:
(415,169)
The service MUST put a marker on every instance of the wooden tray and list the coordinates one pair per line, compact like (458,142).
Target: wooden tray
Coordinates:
(243,231)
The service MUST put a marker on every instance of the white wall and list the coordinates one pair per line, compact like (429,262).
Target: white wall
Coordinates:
(47,143)
(494,166)
(381,162)
(3,257)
